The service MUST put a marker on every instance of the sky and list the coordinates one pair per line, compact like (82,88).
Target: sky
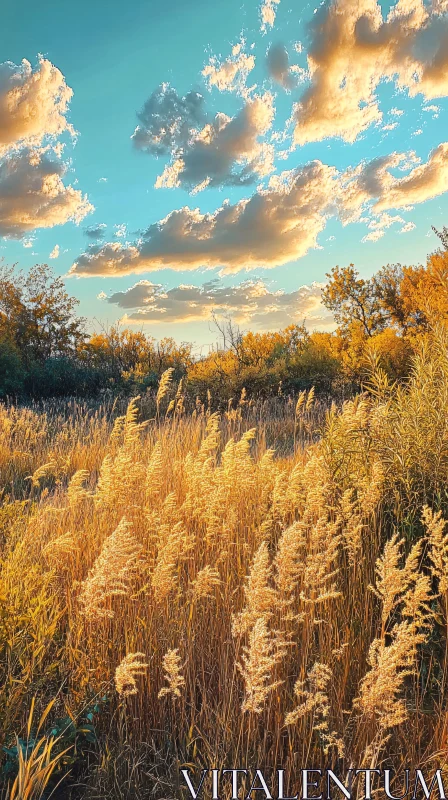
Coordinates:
(179,161)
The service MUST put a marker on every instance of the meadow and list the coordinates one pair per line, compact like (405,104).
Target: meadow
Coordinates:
(263,586)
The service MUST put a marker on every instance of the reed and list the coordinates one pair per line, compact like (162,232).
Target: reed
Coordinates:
(212,591)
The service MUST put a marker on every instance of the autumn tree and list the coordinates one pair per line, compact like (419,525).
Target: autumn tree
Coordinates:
(127,358)
(351,297)
(37,314)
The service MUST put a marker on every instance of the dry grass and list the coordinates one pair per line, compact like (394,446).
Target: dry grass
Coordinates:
(209,600)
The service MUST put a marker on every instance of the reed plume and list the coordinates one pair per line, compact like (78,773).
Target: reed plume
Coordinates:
(312,695)
(205,582)
(438,541)
(131,666)
(260,658)
(112,573)
(164,386)
(171,663)
(261,597)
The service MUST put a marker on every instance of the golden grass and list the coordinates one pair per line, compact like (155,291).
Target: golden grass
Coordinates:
(228,603)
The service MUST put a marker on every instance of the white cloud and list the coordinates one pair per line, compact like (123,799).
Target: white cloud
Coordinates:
(33,194)
(268,11)
(55,252)
(353,49)
(120,231)
(33,104)
(378,225)
(250,302)
(230,75)
(408,227)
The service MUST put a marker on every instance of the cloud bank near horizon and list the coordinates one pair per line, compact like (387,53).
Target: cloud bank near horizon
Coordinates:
(250,302)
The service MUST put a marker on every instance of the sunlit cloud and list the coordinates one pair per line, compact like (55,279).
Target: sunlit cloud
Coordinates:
(33,194)
(230,74)
(33,108)
(409,226)
(226,152)
(353,49)
(278,224)
(250,302)
(55,252)
(374,181)
(268,12)
(33,104)
(272,227)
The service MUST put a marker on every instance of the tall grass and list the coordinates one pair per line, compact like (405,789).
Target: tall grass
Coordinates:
(185,593)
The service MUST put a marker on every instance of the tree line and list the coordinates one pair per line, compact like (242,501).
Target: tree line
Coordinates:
(46,351)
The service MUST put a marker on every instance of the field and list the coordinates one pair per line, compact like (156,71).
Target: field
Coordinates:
(264,586)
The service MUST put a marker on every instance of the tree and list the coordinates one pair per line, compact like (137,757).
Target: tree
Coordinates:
(387,287)
(425,292)
(443,236)
(11,371)
(127,358)
(38,314)
(351,298)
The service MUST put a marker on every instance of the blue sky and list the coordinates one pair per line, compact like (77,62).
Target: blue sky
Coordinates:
(115,55)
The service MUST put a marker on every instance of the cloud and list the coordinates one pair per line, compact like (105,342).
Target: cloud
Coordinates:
(268,11)
(167,120)
(408,227)
(279,69)
(206,152)
(120,230)
(248,302)
(353,48)
(231,74)
(226,151)
(33,109)
(33,195)
(373,236)
(378,225)
(374,182)
(95,232)
(33,104)
(55,252)
(276,225)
